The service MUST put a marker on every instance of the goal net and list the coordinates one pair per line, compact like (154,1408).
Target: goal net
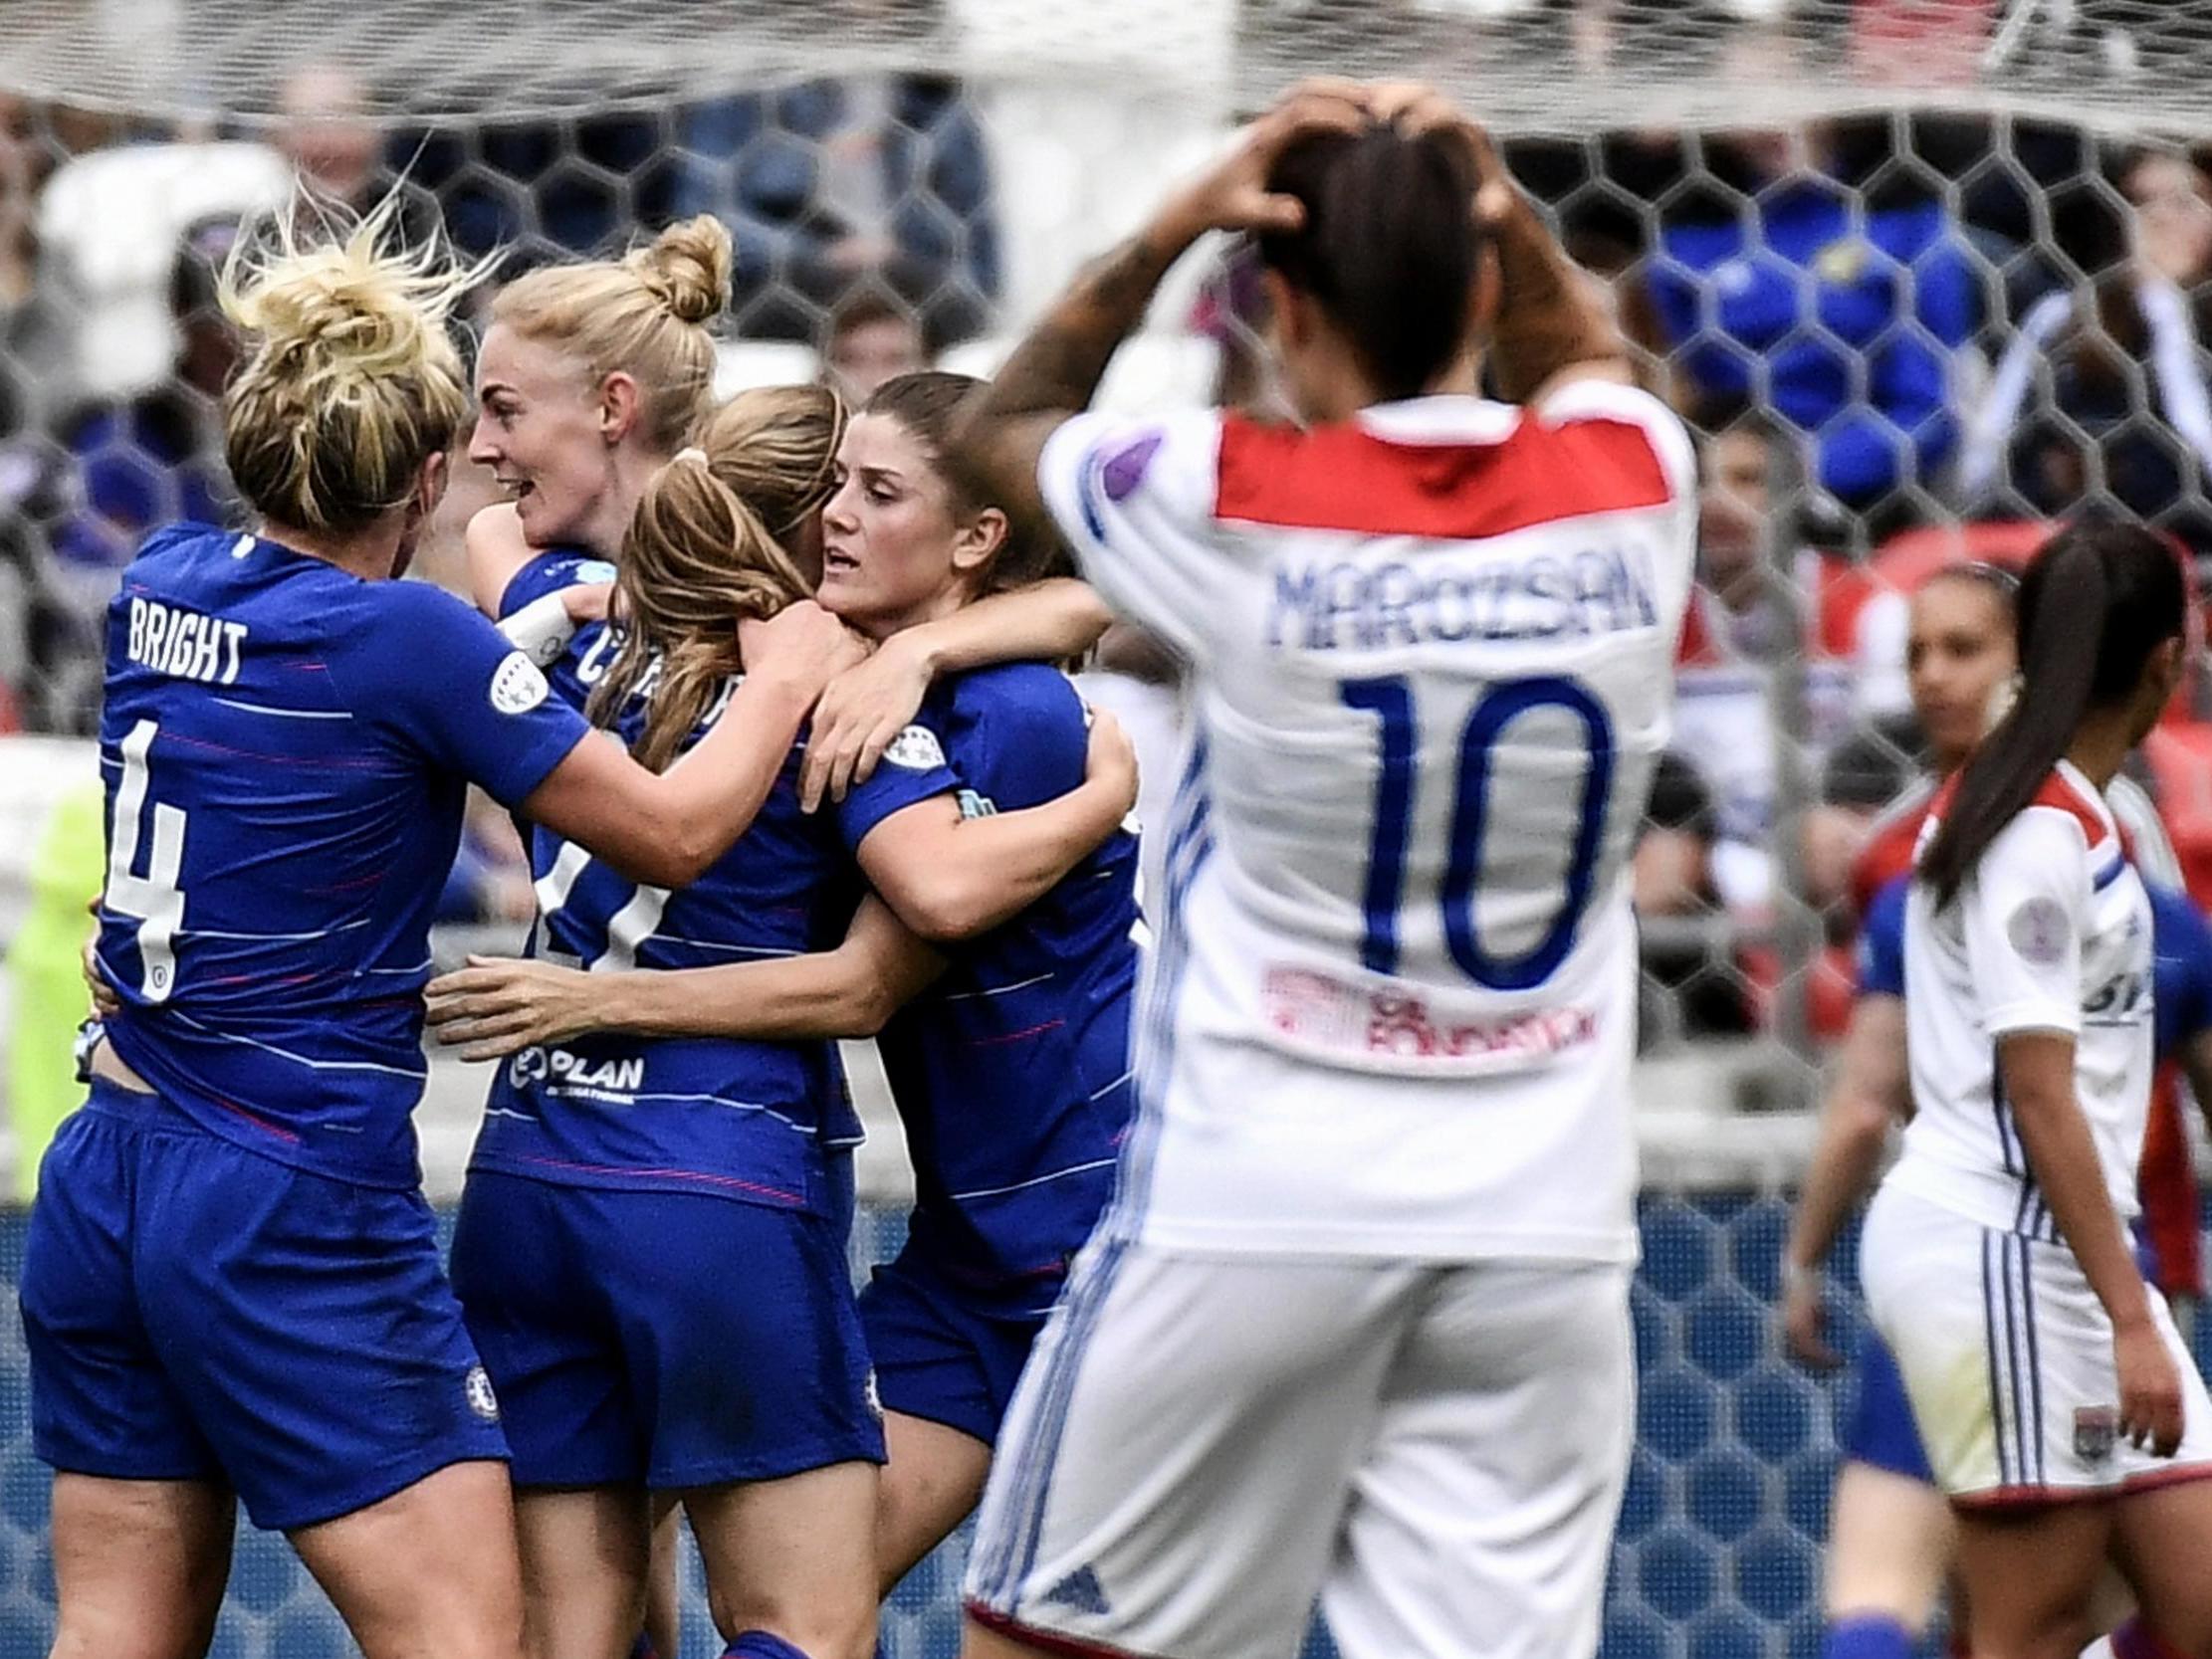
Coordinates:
(1924,275)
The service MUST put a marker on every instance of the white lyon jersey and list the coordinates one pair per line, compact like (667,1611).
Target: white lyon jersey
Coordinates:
(2051,933)
(1392,1008)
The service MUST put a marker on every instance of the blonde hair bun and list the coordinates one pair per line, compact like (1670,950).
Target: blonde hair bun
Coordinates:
(687,267)
(350,377)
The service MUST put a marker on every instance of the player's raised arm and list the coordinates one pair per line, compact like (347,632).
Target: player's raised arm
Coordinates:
(1056,368)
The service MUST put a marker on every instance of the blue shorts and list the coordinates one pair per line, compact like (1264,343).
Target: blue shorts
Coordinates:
(945,1353)
(673,1340)
(1882,1430)
(196,1311)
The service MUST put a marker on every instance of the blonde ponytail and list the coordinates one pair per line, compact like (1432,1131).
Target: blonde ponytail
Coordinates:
(349,378)
(695,561)
(643,316)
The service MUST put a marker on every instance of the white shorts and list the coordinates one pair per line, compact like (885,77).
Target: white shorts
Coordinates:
(2007,1354)
(1202,1445)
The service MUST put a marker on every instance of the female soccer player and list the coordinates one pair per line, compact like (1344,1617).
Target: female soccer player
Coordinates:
(1357,1322)
(603,1160)
(1890,1529)
(2057,1404)
(1011,1070)
(232,1287)
(590,377)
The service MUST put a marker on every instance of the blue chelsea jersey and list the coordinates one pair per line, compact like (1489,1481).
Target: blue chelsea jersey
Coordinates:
(1011,1073)
(286,749)
(741,1118)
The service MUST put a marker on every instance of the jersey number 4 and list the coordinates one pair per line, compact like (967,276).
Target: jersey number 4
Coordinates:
(154,901)
(1391,701)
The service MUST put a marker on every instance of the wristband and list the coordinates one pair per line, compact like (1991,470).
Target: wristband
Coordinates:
(541,630)
(90,1032)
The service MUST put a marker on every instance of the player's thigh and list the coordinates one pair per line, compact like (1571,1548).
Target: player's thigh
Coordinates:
(945,1368)
(1177,1456)
(752,1372)
(103,1401)
(1889,1544)
(139,1566)
(794,1556)
(585,1563)
(430,1570)
(309,1325)
(1483,1510)
(535,1268)
(2163,1544)
(2031,1576)
(930,1486)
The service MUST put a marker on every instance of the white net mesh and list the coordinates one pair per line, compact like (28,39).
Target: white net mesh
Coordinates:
(1557,65)
(1924,273)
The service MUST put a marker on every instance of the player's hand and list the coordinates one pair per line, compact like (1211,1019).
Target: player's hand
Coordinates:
(863,710)
(1232,194)
(1804,1322)
(1415,108)
(2149,1388)
(803,645)
(105,1004)
(499,1004)
(1111,765)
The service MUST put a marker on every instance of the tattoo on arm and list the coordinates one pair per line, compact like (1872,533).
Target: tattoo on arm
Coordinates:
(1551,318)
(1056,370)
(1059,365)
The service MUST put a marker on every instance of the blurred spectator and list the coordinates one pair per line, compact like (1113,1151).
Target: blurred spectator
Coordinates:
(872,337)
(2103,388)
(1672,879)
(109,224)
(35,355)
(542,188)
(1850,647)
(327,136)
(881,177)
(1838,315)
(136,464)
(34,324)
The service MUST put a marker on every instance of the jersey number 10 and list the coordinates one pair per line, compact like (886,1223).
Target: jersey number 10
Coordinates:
(1390,699)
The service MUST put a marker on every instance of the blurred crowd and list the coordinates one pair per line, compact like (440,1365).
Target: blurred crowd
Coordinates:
(1902,338)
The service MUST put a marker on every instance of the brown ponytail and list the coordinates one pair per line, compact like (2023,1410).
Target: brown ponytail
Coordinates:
(705,549)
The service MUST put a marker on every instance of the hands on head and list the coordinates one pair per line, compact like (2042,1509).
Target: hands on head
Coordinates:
(1232,195)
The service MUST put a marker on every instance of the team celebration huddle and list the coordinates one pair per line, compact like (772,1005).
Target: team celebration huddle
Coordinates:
(1274,1226)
